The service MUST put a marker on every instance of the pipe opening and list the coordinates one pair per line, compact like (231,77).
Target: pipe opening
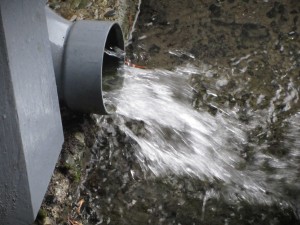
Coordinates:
(113,59)
(87,64)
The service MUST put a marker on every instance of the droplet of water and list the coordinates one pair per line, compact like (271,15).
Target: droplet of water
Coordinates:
(115,52)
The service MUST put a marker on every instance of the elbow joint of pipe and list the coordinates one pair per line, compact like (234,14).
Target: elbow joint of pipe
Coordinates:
(81,65)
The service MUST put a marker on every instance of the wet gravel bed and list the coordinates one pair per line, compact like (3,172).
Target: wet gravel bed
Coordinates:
(117,190)
(249,60)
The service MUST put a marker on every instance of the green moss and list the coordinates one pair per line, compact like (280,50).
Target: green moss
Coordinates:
(71,170)
(76,175)
(79,4)
(41,216)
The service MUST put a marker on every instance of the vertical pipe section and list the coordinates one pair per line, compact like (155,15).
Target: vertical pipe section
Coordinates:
(80,62)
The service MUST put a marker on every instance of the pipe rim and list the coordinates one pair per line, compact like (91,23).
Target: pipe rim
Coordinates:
(84,64)
(116,32)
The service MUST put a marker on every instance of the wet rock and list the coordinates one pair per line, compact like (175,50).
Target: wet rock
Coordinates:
(276,9)
(154,49)
(109,12)
(274,27)
(251,35)
(254,31)
(80,137)
(215,10)
(61,190)
(48,221)
(272,13)
(50,199)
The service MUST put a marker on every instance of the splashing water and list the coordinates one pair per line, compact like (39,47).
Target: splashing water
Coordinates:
(175,138)
(115,52)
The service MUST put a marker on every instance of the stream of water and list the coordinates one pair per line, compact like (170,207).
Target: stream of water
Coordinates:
(170,139)
(210,134)
(175,138)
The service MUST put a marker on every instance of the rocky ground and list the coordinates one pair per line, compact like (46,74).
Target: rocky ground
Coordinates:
(249,55)
(122,11)
(263,34)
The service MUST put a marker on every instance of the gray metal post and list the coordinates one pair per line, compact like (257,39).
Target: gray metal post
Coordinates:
(30,125)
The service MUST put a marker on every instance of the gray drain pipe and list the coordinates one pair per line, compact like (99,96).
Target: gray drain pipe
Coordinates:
(80,62)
